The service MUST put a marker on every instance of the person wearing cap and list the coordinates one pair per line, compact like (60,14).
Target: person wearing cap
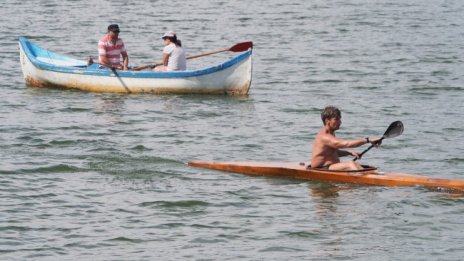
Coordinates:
(174,58)
(110,49)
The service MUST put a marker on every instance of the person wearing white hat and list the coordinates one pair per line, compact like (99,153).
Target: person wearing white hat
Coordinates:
(174,58)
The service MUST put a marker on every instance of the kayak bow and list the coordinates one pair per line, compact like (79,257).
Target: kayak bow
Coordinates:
(369,175)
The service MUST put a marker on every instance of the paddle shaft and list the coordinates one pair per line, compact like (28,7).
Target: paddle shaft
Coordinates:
(366,150)
(395,129)
(240,47)
(188,57)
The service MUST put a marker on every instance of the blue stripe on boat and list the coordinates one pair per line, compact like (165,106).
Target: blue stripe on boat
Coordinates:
(33,51)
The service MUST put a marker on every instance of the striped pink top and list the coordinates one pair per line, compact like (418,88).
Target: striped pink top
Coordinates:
(112,52)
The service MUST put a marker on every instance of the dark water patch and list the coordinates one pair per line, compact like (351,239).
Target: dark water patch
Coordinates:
(126,161)
(439,60)
(126,211)
(431,132)
(15,106)
(64,142)
(57,168)
(140,148)
(201,240)
(330,81)
(127,173)
(100,149)
(454,160)
(213,226)
(38,252)
(38,37)
(369,88)
(170,225)
(413,203)
(281,249)
(437,89)
(208,114)
(303,234)
(175,204)
(274,195)
(347,71)
(453,129)
(8,229)
(252,146)
(440,73)
(75,110)
(126,240)
(301,110)
(38,196)
(230,236)
(30,138)
(448,197)
(86,245)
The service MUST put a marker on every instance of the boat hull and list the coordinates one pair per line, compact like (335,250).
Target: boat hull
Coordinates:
(231,78)
(369,176)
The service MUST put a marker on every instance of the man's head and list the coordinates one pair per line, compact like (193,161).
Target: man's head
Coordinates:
(331,114)
(113,30)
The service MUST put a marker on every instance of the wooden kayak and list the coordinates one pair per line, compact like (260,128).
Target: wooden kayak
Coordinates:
(44,68)
(370,175)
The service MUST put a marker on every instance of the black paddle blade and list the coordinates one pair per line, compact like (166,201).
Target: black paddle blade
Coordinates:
(395,129)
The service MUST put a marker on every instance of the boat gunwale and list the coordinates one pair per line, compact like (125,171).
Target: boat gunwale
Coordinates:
(367,168)
(24,42)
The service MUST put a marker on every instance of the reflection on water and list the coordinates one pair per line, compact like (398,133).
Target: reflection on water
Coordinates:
(109,107)
(329,190)
(105,103)
(324,191)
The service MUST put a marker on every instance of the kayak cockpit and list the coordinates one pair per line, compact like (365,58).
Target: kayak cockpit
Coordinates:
(366,168)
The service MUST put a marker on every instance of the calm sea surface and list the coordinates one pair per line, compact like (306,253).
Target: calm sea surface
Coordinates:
(88,176)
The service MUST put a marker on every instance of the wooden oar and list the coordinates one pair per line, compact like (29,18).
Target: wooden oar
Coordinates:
(240,47)
(395,129)
(114,70)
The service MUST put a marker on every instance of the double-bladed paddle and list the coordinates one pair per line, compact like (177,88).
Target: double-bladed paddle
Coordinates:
(395,129)
(240,47)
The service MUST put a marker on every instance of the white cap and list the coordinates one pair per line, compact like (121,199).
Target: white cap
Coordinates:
(169,34)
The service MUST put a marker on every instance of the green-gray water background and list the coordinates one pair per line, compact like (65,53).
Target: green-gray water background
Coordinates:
(87,176)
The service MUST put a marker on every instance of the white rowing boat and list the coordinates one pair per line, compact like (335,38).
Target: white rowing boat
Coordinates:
(43,68)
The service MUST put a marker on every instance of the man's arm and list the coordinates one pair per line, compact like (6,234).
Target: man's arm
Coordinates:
(335,143)
(125,58)
(343,153)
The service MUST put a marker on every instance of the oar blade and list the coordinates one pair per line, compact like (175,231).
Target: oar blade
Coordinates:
(395,129)
(241,47)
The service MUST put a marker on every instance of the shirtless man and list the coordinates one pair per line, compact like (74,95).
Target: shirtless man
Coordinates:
(327,148)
